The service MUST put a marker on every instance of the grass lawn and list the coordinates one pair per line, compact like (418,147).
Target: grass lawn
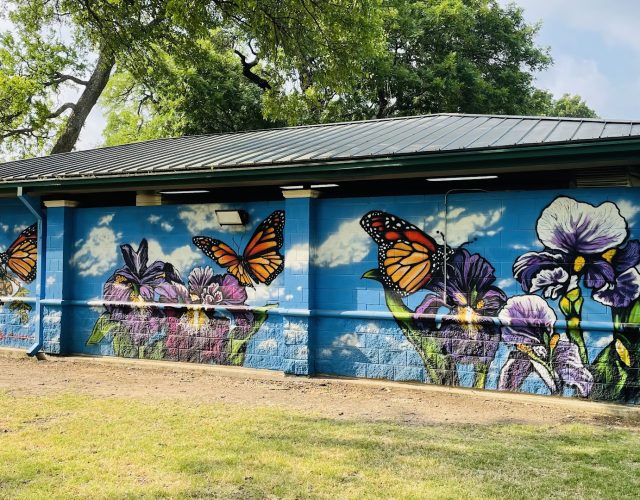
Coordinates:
(76,446)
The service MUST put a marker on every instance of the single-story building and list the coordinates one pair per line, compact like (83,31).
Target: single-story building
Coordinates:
(496,252)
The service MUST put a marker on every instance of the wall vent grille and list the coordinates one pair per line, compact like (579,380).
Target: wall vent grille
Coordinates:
(603,177)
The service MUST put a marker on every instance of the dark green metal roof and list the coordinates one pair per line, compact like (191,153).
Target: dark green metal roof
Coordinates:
(439,138)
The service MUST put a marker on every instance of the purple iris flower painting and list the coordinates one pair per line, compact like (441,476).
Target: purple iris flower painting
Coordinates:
(470,297)
(529,325)
(205,319)
(582,244)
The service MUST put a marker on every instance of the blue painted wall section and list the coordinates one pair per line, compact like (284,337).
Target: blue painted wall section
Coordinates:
(298,279)
(542,288)
(56,326)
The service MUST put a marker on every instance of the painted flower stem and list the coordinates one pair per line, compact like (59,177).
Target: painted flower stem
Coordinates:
(440,368)
(571,307)
(481,372)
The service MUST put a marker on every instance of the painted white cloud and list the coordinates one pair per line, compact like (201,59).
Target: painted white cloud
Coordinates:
(199,218)
(4,227)
(349,244)
(268,345)
(518,246)
(105,220)
(51,280)
(98,253)
(506,282)
(297,257)
(164,225)
(52,317)
(348,339)
(463,226)
(599,340)
(183,258)
(628,210)
(261,295)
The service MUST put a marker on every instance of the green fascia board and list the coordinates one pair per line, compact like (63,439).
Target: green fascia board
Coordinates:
(569,155)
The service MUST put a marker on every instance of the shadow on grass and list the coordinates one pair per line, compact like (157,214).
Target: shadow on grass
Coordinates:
(78,446)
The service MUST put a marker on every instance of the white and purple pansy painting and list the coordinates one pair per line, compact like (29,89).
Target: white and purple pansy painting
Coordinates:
(584,244)
(528,324)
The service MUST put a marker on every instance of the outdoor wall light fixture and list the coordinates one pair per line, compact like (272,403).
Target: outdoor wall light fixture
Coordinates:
(313,186)
(463,178)
(185,191)
(232,217)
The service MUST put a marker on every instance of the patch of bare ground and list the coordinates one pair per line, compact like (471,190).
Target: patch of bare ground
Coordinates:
(411,404)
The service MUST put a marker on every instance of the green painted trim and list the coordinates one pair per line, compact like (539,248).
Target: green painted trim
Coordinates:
(573,155)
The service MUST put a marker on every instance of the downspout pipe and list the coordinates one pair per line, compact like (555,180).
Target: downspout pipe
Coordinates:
(33,205)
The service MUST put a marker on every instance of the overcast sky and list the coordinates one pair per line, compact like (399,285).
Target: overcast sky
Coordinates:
(596,48)
(595,45)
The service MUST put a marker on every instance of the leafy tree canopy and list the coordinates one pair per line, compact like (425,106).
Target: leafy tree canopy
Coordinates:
(174,67)
(61,47)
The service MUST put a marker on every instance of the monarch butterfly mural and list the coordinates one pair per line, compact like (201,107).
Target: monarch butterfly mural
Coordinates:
(261,260)
(21,256)
(18,267)
(407,257)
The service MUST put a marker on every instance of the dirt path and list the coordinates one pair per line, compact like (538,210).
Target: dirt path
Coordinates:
(412,404)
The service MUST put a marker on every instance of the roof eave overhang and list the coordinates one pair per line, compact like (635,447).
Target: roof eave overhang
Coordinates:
(514,159)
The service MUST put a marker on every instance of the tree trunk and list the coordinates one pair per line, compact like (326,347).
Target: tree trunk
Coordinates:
(96,84)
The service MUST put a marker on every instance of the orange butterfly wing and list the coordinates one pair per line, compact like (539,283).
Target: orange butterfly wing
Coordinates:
(262,256)
(224,256)
(261,259)
(22,255)
(407,257)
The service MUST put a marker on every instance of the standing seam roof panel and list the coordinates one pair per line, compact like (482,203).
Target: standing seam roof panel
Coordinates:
(321,143)
(356,147)
(443,141)
(474,135)
(431,134)
(410,130)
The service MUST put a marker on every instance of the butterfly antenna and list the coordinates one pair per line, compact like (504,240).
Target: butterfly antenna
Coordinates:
(441,234)
(235,244)
(468,242)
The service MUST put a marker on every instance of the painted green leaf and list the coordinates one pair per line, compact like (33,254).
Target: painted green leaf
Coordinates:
(439,366)
(372,274)
(634,315)
(123,347)
(101,329)
(610,375)
(22,309)
(237,347)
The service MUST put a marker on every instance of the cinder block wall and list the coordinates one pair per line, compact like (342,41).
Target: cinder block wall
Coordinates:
(541,291)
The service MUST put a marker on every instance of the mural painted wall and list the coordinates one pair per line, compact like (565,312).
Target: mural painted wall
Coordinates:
(18,255)
(170,283)
(533,291)
(540,292)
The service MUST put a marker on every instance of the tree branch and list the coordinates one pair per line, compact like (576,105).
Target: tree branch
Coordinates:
(60,78)
(62,109)
(246,71)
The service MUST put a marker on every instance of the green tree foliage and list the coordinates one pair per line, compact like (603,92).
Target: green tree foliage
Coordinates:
(204,93)
(572,106)
(64,48)
(471,56)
